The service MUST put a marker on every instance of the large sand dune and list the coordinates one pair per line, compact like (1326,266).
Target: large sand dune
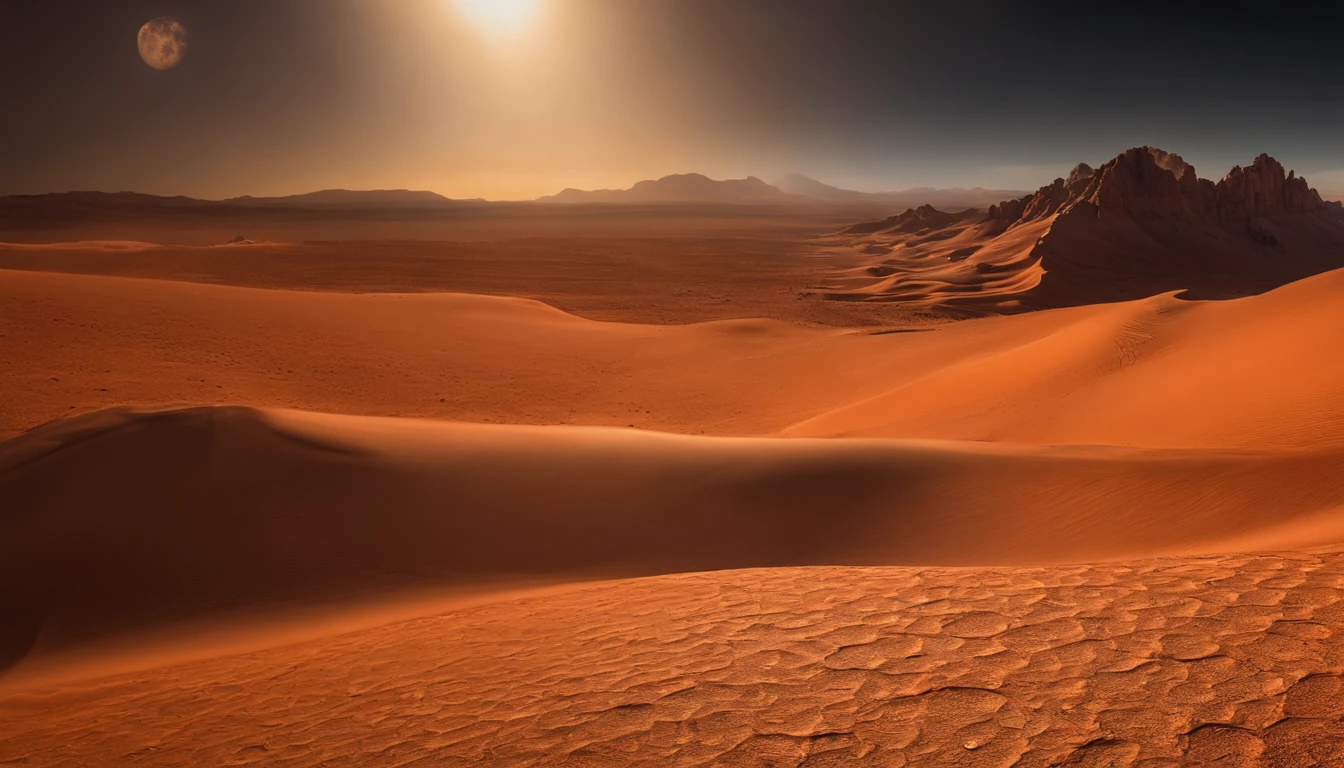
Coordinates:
(1251,372)
(184,514)
(1260,372)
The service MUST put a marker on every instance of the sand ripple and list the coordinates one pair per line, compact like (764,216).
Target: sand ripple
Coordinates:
(1230,660)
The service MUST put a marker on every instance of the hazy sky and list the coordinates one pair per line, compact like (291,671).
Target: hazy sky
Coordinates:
(283,96)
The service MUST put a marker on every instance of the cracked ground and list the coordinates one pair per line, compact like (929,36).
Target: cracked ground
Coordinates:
(1223,660)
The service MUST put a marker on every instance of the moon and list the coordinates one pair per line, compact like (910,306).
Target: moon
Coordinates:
(163,42)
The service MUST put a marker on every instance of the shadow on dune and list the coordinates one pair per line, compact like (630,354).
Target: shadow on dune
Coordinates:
(205,512)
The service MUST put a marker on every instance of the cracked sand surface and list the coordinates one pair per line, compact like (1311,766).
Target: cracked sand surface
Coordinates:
(1233,660)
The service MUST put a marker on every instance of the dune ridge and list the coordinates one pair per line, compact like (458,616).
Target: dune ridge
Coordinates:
(1258,372)
(1157,372)
(186,513)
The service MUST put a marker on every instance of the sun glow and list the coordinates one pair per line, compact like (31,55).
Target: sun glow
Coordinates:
(499,16)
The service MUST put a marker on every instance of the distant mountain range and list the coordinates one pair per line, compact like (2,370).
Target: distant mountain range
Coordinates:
(326,198)
(952,199)
(28,211)
(792,189)
(682,188)
(345,198)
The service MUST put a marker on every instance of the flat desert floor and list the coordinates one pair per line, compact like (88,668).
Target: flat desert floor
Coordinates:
(612,498)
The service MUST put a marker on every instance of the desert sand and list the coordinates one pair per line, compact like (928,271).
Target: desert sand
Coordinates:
(1205,660)
(1258,372)
(263,509)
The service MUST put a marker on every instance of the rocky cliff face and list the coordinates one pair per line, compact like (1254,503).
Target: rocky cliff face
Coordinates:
(1141,224)
(1146,183)
(1263,190)
(1149,183)
(1047,200)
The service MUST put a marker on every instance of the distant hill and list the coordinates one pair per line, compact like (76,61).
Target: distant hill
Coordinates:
(345,198)
(89,199)
(63,209)
(327,198)
(682,188)
(792,189)
(68,209)
(915,220)
(798,184)
(951,199)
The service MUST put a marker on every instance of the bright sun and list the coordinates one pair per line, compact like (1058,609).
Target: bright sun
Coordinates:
(499,16)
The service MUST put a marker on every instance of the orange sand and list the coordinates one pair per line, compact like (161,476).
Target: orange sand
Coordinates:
(1213,660)
(1013,447)
(1259,372)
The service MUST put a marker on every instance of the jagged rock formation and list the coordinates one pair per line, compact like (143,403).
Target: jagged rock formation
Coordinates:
(1045,201)
(1263,190)
(913,220)
(1146,182)
(1142,223)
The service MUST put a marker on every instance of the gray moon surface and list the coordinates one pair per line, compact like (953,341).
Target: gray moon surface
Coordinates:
(163,42)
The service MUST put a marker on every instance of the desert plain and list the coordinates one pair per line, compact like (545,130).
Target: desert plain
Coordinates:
(1052,482)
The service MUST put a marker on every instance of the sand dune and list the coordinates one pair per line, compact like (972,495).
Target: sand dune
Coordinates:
(1259,372)
(1160,372)
(1013,476)
(89,342)
(189,513)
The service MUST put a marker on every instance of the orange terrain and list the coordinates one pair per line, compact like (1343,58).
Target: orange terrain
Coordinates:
(253,515)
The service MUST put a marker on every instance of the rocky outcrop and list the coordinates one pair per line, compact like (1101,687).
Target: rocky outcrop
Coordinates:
(1335,208)
(1081,172)
(1045,201)
(914,220)
(1009,210)
(1141,224)
(1262,189)
(1145,183)
(1149,183)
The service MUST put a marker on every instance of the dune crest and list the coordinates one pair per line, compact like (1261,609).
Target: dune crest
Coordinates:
(188,513)
(1253,373)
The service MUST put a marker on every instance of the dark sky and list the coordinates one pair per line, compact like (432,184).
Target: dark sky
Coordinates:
(280,96)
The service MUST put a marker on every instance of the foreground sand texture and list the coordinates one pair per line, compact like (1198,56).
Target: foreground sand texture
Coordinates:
(1231,660)
(257,507)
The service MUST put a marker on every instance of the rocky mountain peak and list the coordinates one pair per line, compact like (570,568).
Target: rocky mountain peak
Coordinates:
(1080,172)
(1147,182)
(1262,189)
